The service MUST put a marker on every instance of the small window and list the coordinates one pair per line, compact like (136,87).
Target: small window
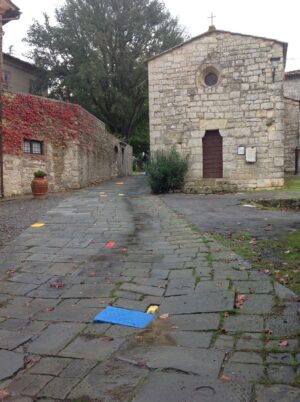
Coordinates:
(33,88)
(211,79)
(6,79)
(33,147)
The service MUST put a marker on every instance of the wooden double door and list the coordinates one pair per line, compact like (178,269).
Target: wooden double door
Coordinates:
(212,145)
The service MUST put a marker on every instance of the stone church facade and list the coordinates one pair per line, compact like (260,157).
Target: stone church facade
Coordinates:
(219,100)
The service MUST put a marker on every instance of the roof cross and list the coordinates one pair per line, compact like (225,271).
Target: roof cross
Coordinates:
(212,16)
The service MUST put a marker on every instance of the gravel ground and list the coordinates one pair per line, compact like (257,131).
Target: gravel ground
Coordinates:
(17,214)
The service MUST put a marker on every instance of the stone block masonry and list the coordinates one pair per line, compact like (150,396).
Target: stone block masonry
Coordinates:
(245,105)
(74,147)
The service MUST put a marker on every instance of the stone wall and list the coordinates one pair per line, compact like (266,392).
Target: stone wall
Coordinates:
(77,149)
(246,106)
(292,134)
(292,85)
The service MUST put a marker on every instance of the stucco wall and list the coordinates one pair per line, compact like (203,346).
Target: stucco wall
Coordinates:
(246,106)
(292,133)
(88,155)
(19,79)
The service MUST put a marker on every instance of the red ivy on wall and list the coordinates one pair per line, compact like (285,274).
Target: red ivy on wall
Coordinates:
(30,117)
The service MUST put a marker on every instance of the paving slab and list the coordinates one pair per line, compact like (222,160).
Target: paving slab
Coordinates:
(283,325)
(78,368)
(58,388)
(212,286)
(54,338)
(277,393)
(142,289)
(50,365)
(113,381)
(196,322)
(94,349)
(246,357)
(191,339)
(180,286)
(224,342)
(250,341)
(193,361)
(165,387)
(258,304)
(10,363)
(280,358)
(28,384)
(244,372)
(253,286)
(88,291)
(283,292)
(204,302)
(11,340)
(247,323)
(281,373)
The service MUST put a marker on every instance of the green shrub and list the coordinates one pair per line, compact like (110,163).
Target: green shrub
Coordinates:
(166,171)
(39,173)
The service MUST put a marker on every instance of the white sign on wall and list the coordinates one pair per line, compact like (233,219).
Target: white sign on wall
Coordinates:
(251,154)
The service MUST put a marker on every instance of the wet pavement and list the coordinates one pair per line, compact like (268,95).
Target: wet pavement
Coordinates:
(223,331)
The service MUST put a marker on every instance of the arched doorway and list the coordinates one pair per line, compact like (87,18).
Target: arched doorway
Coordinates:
(212,145)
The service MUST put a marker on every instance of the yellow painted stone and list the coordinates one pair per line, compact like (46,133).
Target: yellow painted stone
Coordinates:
(119,183)
(37,225)
(152,309)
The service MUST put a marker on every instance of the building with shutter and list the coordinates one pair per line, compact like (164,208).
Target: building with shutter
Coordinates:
(219,100)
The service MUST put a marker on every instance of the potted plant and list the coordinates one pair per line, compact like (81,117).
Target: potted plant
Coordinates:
(39,184)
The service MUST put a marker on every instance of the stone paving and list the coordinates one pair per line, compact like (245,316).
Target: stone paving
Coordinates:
(201,347)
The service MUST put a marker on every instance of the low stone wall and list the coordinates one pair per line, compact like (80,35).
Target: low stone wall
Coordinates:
(76,148)
(292,134)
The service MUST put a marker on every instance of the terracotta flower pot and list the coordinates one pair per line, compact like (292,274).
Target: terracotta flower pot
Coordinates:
(39,187)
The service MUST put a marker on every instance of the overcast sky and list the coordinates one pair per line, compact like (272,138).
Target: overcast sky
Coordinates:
(268,18)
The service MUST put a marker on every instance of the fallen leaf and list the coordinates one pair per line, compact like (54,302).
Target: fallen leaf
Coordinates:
(226,314)
(57,285)
(10,272)
(283,343)
(287,252)
(31,362)
(4,393)
(49,308)
(107,339)
(223,330)
(225,378)
(268,331)
(124,249)
(164,316)
(110,244)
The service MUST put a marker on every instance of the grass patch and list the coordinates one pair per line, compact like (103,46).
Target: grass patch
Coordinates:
(292,185)
(279,258)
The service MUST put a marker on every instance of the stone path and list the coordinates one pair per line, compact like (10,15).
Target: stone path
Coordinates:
(56,278)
